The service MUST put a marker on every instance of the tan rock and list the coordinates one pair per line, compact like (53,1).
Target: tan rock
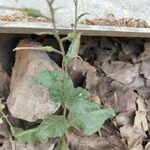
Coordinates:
(27,100)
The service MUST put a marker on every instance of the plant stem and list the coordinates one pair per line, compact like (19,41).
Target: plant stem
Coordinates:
(4,116)
(55,28)
(76,14)
(65,111)
(34,48)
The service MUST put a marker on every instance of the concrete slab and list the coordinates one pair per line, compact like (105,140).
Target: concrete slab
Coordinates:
(97,8)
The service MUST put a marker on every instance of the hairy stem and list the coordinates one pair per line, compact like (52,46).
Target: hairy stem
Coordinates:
(34,48)
(65,111)
(54,26)
(4,116)
(76,14)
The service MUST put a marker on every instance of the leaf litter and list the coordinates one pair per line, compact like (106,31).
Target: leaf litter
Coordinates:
(114,80)
(111,20)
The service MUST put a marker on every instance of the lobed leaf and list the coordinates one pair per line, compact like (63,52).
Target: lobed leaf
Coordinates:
(54,126)
(80,102)
(91,121)
(59,84)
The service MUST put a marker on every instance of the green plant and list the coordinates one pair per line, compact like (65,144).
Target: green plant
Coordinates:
(78,110)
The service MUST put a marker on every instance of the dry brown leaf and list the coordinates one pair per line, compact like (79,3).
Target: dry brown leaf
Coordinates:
(135,144)
(79,141)
(105,51)
(145,69)
(123,72)
(127,131)
(146,53)
(15,145)
(137,132)
(125,118)
(4,130)
(123,101)
(140,121)
(6,145)
(79,71)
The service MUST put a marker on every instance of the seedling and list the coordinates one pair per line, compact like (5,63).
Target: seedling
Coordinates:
(79,111)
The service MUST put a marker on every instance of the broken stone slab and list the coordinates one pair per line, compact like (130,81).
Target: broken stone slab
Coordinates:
(123,72)
(27,100)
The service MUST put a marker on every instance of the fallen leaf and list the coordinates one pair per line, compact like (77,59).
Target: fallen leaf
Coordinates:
(146,53)
(135,144)
(140,121)
(135,133)
(15,145)
(125,118)
(121,71)
(122,101)
(79,141)
(145,69)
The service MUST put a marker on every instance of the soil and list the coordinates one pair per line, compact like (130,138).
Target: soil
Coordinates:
(116,71)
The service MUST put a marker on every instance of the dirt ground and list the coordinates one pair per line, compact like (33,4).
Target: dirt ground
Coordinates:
(116,71)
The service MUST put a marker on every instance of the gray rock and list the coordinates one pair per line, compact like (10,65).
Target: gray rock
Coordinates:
(27,100)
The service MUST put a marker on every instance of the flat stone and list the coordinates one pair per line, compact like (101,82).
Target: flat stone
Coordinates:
(27,100)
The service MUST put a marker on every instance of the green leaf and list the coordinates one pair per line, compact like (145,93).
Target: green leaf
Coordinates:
(69,37)
(63,145)
(34,12)
(49,49)
(59,84)
(54,126)
(81,106)
(74,46)
(91,121)
(80,102)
